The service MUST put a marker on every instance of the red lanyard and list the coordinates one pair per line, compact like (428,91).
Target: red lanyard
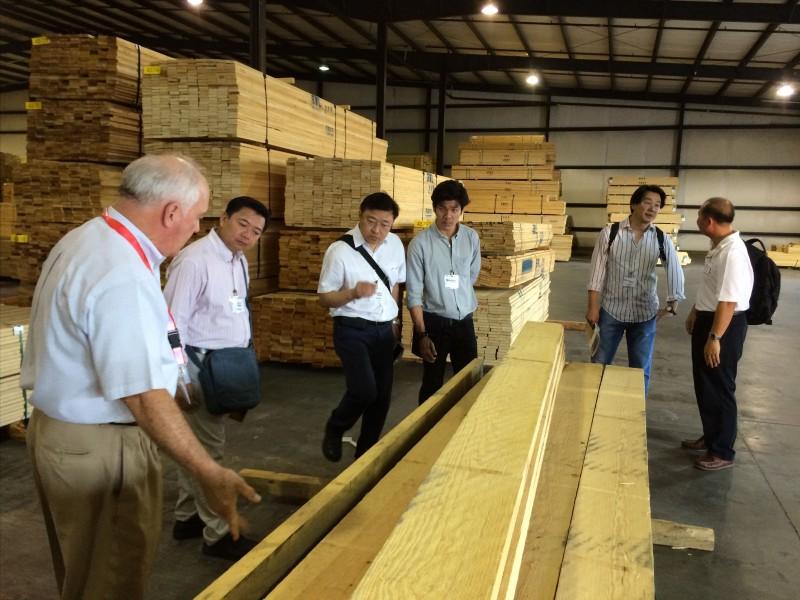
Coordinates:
(172,328)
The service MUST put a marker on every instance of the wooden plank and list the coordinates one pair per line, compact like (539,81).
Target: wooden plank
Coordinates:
(524,173)
(265,565)
(463,533)
(609,551)
(339,561)
(680,535)
(284,486)
(511,237)
(563,462)
(570,325)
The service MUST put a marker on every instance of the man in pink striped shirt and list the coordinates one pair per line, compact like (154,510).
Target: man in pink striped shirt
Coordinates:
(207,292)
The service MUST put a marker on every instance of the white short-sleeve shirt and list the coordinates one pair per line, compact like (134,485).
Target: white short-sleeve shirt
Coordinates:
(343,267)
(727,277)
(98,328)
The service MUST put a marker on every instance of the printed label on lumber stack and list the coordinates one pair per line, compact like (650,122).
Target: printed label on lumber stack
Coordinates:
(83,130)
(13,334)
(191,98)
(293,327)
(87,67)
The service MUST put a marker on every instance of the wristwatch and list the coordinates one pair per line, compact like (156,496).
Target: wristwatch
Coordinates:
(714,337)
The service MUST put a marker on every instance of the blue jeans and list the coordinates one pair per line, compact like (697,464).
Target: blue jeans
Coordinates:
(641,338)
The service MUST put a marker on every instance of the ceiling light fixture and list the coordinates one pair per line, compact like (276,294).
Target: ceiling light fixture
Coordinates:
(324,68)
(489,9)
(194,3)
(785,90)
(532,79)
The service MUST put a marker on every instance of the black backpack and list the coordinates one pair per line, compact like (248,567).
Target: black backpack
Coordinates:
(662,254)
(766,285)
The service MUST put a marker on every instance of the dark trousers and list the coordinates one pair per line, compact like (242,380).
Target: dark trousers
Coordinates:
(366,354)
(450,336)
(715,388)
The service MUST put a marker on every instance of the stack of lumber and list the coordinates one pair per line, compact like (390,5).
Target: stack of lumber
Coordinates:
(299,121)
(327,192)
(86,67)
(83,130)
(786,255)
(53,198)
(422,162)
(8,162)
(560,223)
(293,327)
(513,270)
(355,136)
(562,246)
(440,508)
(510,174)
(618,198)
(301,252)
(13,334)
(511,237)
(8,215)
(83,126)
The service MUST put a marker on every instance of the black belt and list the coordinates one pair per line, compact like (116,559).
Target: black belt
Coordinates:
(359,323)
(131,424)
(447,321)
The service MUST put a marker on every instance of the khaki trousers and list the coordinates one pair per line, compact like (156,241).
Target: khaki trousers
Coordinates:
(210,432)
(100,487)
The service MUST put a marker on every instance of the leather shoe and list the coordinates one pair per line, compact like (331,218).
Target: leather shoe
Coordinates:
(698,444)
(712,463)
(188,529)
(332,445)
(228,549)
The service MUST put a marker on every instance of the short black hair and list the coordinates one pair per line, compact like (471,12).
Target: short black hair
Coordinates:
(719,209)
(638,195)
(240,202)
(380,201)
(450,190)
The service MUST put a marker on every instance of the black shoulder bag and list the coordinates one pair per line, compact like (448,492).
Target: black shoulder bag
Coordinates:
(229,377)
(348,239)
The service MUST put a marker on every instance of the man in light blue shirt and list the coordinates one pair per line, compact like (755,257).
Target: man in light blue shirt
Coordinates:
(444,261)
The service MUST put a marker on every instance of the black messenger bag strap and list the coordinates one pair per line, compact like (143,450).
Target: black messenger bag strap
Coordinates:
(348,239)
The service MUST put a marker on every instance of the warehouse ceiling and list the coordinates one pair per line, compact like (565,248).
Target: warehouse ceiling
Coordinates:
(715,52)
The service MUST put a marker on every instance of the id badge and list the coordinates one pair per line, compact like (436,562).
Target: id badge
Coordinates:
(237,304)
(451,281)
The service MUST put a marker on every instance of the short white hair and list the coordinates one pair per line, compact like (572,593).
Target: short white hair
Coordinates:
(153,178)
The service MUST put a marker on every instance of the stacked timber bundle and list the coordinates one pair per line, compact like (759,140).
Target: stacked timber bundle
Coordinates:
(327,193)
(53,198)
(13,334)
(509,176)
(512,237)
(8,214)
(786,255)
(83,127)
(618,198)
(301,252)
(293,327)
(423,162)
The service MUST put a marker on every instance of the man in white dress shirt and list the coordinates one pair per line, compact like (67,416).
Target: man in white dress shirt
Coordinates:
(366,327)
(207,292)
(103,361)
(718,326)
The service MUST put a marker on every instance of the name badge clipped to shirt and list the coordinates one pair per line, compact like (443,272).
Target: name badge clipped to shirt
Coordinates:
(451,281)
(237,304)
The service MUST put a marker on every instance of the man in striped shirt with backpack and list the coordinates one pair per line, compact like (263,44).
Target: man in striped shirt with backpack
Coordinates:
(622,285)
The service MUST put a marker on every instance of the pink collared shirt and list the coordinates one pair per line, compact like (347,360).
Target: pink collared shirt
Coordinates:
(201,282)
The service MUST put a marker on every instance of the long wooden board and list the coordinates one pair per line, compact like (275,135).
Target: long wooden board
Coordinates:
(460,536)
(264,566)
(609,552)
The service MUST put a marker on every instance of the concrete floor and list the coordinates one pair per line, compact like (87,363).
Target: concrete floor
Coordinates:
(754,508)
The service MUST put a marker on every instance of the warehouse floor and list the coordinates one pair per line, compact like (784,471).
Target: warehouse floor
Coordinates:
(754,508)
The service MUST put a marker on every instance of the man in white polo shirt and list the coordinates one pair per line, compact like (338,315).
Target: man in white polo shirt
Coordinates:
(207,292)
(364,306)
(103,360)
(718,326)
